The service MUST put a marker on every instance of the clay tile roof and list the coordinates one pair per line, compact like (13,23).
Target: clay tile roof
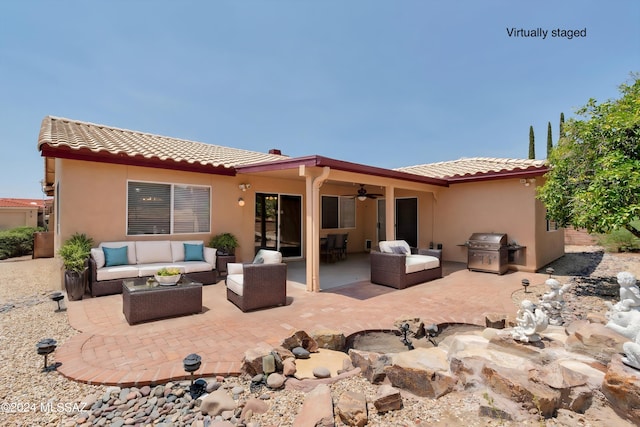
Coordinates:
(474,166)
(57,132)
(21,203)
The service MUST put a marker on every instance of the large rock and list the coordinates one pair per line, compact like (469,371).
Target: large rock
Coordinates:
(421,382)
(289,366)
(252,360)
(621,386)
(300,339)
(423,371)
(372,364)
(429,358)
(217,402)
(572,385)
(253,406)
(515,385)
(352,408)
(329,339)
(275,381)
(595,340)
(468,369)
(317,409)
(388,398)
(557,376)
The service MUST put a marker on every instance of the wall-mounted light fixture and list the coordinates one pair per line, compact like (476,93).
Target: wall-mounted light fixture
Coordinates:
(240,201)
(244,187)
(527,182)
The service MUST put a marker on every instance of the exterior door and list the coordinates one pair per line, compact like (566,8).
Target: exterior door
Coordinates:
(407,220)
(382,221)
(278,223)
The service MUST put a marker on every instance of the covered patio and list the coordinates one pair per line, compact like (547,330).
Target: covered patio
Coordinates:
(110,351)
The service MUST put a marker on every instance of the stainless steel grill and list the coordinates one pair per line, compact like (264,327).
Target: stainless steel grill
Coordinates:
(488,252)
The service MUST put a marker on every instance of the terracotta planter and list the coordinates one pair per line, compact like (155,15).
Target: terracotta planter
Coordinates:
(74,283)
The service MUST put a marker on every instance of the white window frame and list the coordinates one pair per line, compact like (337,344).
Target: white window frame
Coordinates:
(172,214)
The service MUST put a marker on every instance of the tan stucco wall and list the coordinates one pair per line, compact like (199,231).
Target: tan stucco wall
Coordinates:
(500,206)
(92,199)
(18,217)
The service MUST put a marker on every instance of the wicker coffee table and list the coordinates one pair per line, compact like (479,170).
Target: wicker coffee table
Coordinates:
(144,299)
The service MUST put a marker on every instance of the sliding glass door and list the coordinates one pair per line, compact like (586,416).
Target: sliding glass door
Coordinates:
(278,223)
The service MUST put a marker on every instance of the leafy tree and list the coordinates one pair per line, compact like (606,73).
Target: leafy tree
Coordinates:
(532,144)
(594,177)
(549,139)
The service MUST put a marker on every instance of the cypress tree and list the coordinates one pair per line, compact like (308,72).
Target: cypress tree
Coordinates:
(549,139)
(532,144)
(561,134)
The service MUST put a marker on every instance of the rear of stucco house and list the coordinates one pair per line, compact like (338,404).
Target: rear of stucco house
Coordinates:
(93,172)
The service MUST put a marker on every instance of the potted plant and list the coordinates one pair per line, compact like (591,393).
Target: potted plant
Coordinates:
(225,243)
(75,255)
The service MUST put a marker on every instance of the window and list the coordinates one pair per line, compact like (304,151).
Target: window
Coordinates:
(338,212)
(552,225)
(154,208)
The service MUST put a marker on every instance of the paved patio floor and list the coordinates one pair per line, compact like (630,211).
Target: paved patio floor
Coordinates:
(110,351)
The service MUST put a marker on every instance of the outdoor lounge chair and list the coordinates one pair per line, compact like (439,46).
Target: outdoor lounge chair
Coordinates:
(396,265)
(261,284)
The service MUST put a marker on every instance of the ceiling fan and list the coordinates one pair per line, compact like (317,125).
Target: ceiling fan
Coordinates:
(363,194)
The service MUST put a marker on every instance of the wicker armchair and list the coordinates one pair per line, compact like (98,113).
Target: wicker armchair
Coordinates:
(262,284)
(401,270)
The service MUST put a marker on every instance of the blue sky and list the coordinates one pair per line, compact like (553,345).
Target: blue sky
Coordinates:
(383,83)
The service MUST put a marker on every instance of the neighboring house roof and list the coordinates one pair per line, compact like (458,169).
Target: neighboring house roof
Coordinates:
(478,168)
(65,138)
(21,203)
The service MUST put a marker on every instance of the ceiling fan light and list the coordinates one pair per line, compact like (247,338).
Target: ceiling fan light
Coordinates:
(362,198)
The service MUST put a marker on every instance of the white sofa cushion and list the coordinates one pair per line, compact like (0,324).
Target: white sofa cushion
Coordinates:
(235,283)
(150,252)
(117,272)
(234,268)
(413,264)
(394,246)
(421,262)
(210,256)
(98,256)
(265,256)
(193,266)
(131,249)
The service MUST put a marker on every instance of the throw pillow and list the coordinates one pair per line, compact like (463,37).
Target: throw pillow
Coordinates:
(115,256)
(193,252)
(258,260)
(398,250)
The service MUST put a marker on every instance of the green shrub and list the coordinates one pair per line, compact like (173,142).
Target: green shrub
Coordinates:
(75,252)
(620,240)
(17,241)
(225,243)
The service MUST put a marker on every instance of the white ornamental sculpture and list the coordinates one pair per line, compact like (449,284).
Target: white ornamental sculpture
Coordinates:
(552,302)
(624,318)
(531,321)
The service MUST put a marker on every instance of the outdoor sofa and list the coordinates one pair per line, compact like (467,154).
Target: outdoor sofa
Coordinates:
(396,265)
(111,262)
(260,284)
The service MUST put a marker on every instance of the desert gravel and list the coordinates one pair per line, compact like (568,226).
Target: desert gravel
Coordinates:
(31,397)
